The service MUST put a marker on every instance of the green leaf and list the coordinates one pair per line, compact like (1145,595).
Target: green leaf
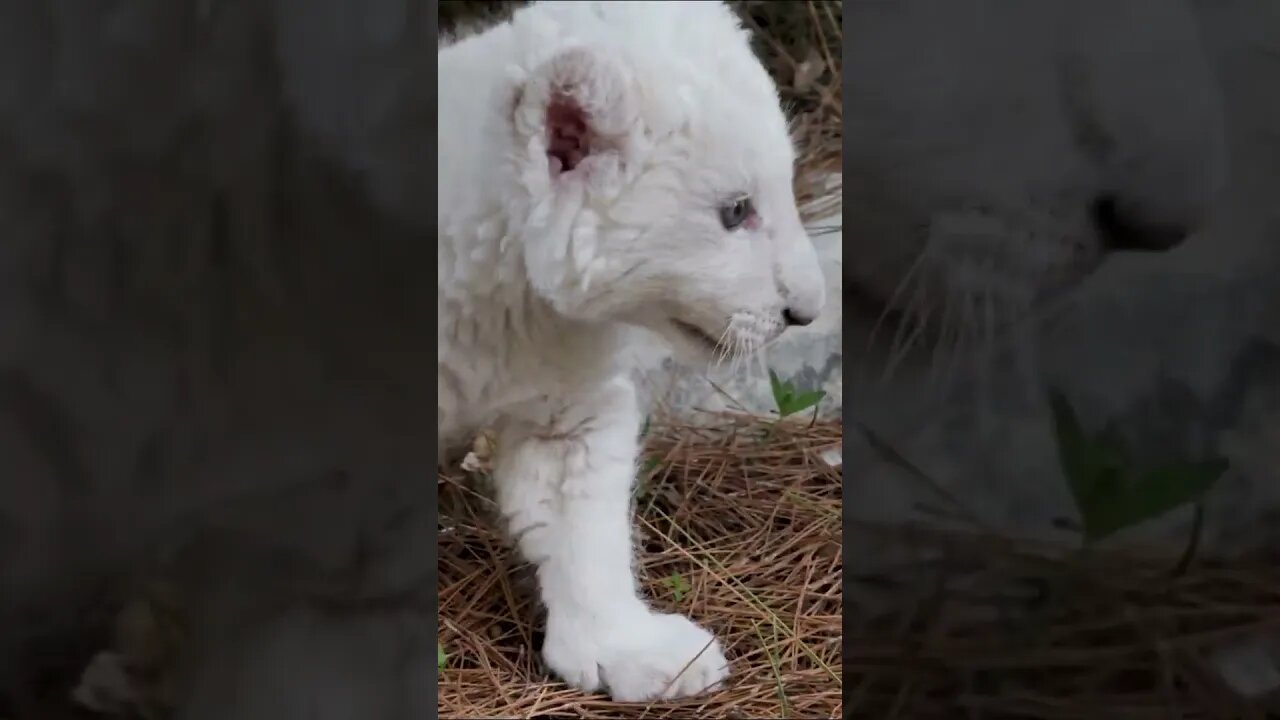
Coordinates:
(677,584)
(1153,494)
(781,392)
(1111,494)
(1170,486)
(441,657)
(788,401)
(1111,449)
(1076,457)
(1109,510)
(805,400)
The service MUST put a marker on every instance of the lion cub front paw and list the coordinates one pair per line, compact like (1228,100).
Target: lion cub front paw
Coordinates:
(638,659)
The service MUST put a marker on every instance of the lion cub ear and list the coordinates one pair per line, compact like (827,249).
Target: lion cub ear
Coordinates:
(578,105)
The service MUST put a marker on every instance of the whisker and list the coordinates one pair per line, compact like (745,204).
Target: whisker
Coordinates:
(944,332)
(964,338)
(1025,316)
(1025,354)
(740,367)
(898,290)
(986,365)
(725,342)
(762,363)
(746,351)
(916,318)
(734,349)
(721,348)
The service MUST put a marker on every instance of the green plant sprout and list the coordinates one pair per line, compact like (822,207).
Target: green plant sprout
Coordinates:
(791,401)
(677,585)
(441,657)
(1110,493)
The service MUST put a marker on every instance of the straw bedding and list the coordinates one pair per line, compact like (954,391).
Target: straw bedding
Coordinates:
(738,527)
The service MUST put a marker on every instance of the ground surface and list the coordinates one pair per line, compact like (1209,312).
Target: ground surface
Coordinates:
(738,527)
(995,629)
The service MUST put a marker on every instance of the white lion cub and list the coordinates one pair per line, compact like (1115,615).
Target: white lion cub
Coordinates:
(603,166)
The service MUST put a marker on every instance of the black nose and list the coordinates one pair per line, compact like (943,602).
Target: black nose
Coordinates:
(791,318)
(1123,229)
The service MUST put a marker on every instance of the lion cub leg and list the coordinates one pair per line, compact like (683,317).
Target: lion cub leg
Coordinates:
(564,483)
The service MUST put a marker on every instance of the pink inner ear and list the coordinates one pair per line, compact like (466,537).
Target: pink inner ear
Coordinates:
(567,134)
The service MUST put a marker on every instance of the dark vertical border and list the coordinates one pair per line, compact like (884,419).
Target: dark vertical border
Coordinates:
(430,22)
(846,402)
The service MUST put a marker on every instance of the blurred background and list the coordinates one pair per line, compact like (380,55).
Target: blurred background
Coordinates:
(1056,343)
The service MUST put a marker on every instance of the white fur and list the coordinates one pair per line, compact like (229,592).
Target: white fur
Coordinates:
(542,277)
(984,131)
(1179,86)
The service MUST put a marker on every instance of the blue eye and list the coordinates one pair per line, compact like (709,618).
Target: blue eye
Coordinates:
(732,216)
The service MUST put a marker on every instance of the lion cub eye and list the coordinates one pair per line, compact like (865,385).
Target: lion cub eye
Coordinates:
(732,216)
